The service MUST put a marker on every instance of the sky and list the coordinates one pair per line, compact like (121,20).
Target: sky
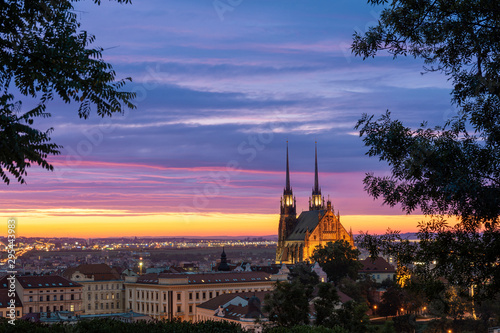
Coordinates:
(221,87)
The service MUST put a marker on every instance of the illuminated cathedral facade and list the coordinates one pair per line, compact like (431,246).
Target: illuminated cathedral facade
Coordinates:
(299,236)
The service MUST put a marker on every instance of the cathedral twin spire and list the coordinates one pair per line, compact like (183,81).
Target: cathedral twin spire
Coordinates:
(316,202)
(287,201)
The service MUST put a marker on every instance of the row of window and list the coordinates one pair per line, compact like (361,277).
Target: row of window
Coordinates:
(105,287)
(154,295)
(54,308)
(108,305)
(54,298)
(104,296)
(6,312)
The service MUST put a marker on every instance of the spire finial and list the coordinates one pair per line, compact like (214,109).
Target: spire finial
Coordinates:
(316,182)
(287,170)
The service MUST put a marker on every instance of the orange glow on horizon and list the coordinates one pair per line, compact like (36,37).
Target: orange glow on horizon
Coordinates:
(110,223)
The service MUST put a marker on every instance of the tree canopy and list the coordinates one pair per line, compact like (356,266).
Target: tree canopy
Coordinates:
(44,55)
(338,259)
(452,169)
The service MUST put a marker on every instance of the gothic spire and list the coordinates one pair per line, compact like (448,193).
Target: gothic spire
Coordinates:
(287,171)
(316,181)
(316,202)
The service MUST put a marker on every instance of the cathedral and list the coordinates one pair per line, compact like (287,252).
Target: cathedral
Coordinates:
(299,236)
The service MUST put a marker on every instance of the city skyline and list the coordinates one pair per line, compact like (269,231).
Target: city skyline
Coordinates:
(219,94)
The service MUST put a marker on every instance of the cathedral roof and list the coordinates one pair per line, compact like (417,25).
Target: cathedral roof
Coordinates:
(307,220)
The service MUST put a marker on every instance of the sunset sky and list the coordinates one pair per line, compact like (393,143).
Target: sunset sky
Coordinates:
(221,88)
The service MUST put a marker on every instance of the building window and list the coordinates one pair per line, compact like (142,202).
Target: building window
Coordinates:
(190,296)
(107,296)
(89,296)
(61,308)
(72,307)
(31,300)
(107,306)
(96,297)
(197,296)
(117,305)
(48,298)
(217,294)
(156,295)
(62,297)
(117,295)
(130,293)
(55,297)
(137,294)
(30,310)
(102,306)
(178,308)
(112,296)
(142,294)
(54,308)
(178,297)
(204,295)
(210,294)
(112,305)
(190,309)
(88,306)
(72,297)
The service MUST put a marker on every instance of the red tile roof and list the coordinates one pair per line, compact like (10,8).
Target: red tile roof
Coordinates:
(46,281)
(207,278)
(378,265)
(100,272)
(4,294)
(214,303)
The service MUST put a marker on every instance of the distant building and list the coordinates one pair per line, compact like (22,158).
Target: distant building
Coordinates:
(49,293)
(103,290)
(169,296)
(223,266)
(241,308)
(379,269)
(5,301)
(299,236)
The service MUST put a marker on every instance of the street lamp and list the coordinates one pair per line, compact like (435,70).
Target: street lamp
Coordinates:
(140,268)
(374,309)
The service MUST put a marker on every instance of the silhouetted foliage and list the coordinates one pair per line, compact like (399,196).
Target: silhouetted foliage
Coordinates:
(113,326)
(449,170)
(324,305)
(405,323)
(306,329)
(45,55)
(288,304)
(338,259)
